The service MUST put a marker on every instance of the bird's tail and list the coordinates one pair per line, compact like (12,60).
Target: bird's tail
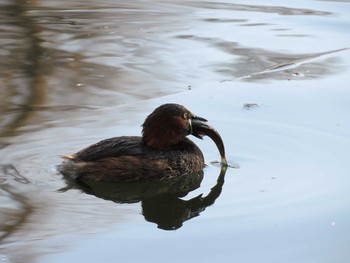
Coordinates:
(67,157)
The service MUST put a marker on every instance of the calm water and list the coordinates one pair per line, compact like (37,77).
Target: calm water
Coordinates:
(272,77)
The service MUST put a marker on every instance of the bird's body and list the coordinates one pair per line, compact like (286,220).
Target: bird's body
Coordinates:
(163,151)
(126,158)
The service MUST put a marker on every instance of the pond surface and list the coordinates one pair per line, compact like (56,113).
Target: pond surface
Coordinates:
(272,77)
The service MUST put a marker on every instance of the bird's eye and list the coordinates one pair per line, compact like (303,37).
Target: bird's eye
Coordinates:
(186,116)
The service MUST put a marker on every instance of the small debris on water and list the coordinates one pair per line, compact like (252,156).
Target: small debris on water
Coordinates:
(249,106)
(298,74)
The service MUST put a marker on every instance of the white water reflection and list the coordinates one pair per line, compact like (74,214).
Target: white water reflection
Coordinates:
(85,71)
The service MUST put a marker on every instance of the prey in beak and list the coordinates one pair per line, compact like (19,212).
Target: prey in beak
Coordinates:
(201,128)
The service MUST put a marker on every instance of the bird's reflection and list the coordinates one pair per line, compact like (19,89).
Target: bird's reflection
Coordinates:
(161,201)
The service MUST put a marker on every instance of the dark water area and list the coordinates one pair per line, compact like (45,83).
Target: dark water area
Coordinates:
(272,77)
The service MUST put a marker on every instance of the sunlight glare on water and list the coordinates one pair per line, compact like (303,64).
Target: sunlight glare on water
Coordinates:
(271,77)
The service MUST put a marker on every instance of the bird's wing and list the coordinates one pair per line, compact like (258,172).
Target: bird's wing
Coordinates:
(113,147)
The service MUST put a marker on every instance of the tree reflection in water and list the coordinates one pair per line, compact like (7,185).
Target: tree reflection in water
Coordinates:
(161,201)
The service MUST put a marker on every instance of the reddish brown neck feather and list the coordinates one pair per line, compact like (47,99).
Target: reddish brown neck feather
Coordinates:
(163,135)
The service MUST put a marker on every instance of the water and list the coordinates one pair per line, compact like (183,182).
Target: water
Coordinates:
(271,77)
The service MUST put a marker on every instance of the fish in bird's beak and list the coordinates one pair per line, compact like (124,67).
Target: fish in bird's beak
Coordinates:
(201,128)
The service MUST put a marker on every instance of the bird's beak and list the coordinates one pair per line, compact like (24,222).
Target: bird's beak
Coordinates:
(201,128)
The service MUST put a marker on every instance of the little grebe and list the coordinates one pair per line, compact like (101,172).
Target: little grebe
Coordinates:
(163,151)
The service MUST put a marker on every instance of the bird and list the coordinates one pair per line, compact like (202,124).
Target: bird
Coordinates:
(163,151)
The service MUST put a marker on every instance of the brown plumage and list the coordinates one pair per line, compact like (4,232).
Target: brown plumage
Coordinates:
(163,151)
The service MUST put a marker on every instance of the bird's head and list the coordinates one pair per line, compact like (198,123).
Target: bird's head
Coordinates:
(170,123)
